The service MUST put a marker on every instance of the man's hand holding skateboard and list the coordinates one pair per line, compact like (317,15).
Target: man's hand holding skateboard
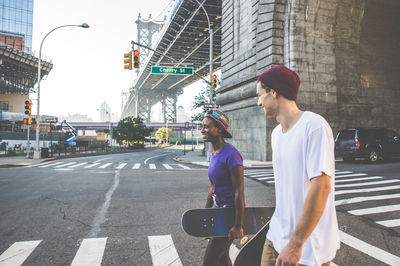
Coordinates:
(236,232)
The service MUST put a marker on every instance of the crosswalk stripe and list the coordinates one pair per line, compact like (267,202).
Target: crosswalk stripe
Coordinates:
(167,166)
(358,179)
(390,223)
(90,252)
(370,198)
(64,165)
(339,172)
(52,164)
(262,175)
(122,165)
(258,172)
(368,249)
(266,178)
(152,166)
(18,253)
(183,166)
(136,166)
(351,191)
(163,251)
(350,175)
(105,165)
(388,208)
(76,165)
(92,165)
(368,183)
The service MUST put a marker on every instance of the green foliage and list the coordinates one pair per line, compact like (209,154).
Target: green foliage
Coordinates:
(161,134)
(131,130)
(199,101)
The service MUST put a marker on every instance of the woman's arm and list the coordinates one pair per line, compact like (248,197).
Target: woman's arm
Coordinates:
(209,202)
(238,186)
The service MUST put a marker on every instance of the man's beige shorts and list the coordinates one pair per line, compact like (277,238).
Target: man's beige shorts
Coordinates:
(270,255)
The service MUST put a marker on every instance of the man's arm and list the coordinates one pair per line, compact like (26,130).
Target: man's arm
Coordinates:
(313,208)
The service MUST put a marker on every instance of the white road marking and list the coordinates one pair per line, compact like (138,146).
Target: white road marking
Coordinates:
(92,165)
(266,178)
(369,250)
(390,223)
(258,172)
(64,165)
(368,183)
(272,174)
(338,172)
(361,199)
(359,179)
(40,164)
(76,165)
(136,166)
(167,166)
(350,175)
(152,166)
(52,164)
(163,251)
(183,166)
(387,208)
(105,165)
(122,165)
(351,191)
(18,253)
(63,169)
(90,252)
(101,160)
(145,161)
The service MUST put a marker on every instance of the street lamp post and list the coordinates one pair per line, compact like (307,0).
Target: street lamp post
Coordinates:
(36,154)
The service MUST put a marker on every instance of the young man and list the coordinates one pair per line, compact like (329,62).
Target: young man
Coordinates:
(304,228)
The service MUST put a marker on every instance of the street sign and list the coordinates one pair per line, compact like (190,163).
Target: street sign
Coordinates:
(171,70)
(211,106)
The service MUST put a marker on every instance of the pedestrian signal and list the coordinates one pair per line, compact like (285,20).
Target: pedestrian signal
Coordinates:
(136,59)
(28,107)
(214,81)
(128,60)
(186,125)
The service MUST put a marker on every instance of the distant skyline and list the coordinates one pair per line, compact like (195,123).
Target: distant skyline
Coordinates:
(88,63)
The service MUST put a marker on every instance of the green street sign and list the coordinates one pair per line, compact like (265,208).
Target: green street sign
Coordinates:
(171,70)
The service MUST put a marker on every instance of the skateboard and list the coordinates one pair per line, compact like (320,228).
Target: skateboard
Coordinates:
(212,222)
(250,253)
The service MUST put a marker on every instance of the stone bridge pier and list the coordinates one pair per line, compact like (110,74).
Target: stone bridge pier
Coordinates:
(347,53)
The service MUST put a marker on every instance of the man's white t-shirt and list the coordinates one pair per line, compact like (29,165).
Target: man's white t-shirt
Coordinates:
(304,152)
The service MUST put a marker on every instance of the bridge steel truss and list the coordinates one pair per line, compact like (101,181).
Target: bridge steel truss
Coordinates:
(185,38)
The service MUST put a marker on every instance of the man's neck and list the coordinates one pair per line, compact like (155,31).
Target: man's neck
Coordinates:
(288,115)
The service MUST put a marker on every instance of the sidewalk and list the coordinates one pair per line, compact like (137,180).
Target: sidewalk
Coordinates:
(16,161)
(196,157)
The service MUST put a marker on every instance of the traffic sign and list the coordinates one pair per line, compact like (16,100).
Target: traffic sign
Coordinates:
(171,70)
(211,106)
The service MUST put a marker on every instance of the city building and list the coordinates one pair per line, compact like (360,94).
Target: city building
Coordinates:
(181,115)
(105,112)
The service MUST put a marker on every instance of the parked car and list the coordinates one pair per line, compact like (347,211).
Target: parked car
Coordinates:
(368,143)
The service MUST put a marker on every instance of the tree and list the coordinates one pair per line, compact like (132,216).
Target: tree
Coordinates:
(199,101)
(131,130)
(161,134)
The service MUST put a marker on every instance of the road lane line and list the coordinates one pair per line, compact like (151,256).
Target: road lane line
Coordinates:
(359,179)
(390,223)
(52,164)
(183,166)
(381,209)
(90,252)
(351,191)
(76,165)
(167,166)
(122,165)
(18,253)
(136,166)
(152,166)
(361,199)
(350,175)
(145,161)
(163,251)
(92,165)
(63,165)
(368,183)
(105,165)
(102,159)
(369,250)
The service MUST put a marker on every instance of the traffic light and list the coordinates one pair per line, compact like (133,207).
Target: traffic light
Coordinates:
(214,81)
(136,59)
(29,121)
(128,60)
(186,125)
(28,107)
(26,121)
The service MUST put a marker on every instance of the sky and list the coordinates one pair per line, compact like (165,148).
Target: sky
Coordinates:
(88,63)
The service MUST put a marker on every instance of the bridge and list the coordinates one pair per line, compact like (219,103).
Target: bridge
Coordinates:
(345,52)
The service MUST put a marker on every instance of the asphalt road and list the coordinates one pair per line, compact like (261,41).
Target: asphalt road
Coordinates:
(125,209)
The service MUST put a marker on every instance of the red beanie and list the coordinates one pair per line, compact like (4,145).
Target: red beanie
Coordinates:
(283,80)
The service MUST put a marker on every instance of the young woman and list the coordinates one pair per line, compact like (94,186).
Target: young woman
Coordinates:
(226,176)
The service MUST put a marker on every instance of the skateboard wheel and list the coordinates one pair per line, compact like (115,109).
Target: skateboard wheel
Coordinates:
(244,240)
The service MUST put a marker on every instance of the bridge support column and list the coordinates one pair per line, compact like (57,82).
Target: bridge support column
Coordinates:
(169,108)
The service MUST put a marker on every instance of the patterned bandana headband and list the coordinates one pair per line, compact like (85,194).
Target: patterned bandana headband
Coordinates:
(221,119)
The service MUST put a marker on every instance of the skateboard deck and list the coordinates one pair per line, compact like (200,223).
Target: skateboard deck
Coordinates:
(212,222)
(250,253)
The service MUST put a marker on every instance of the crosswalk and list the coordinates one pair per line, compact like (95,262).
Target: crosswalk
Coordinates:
(108,165)
(351,189)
